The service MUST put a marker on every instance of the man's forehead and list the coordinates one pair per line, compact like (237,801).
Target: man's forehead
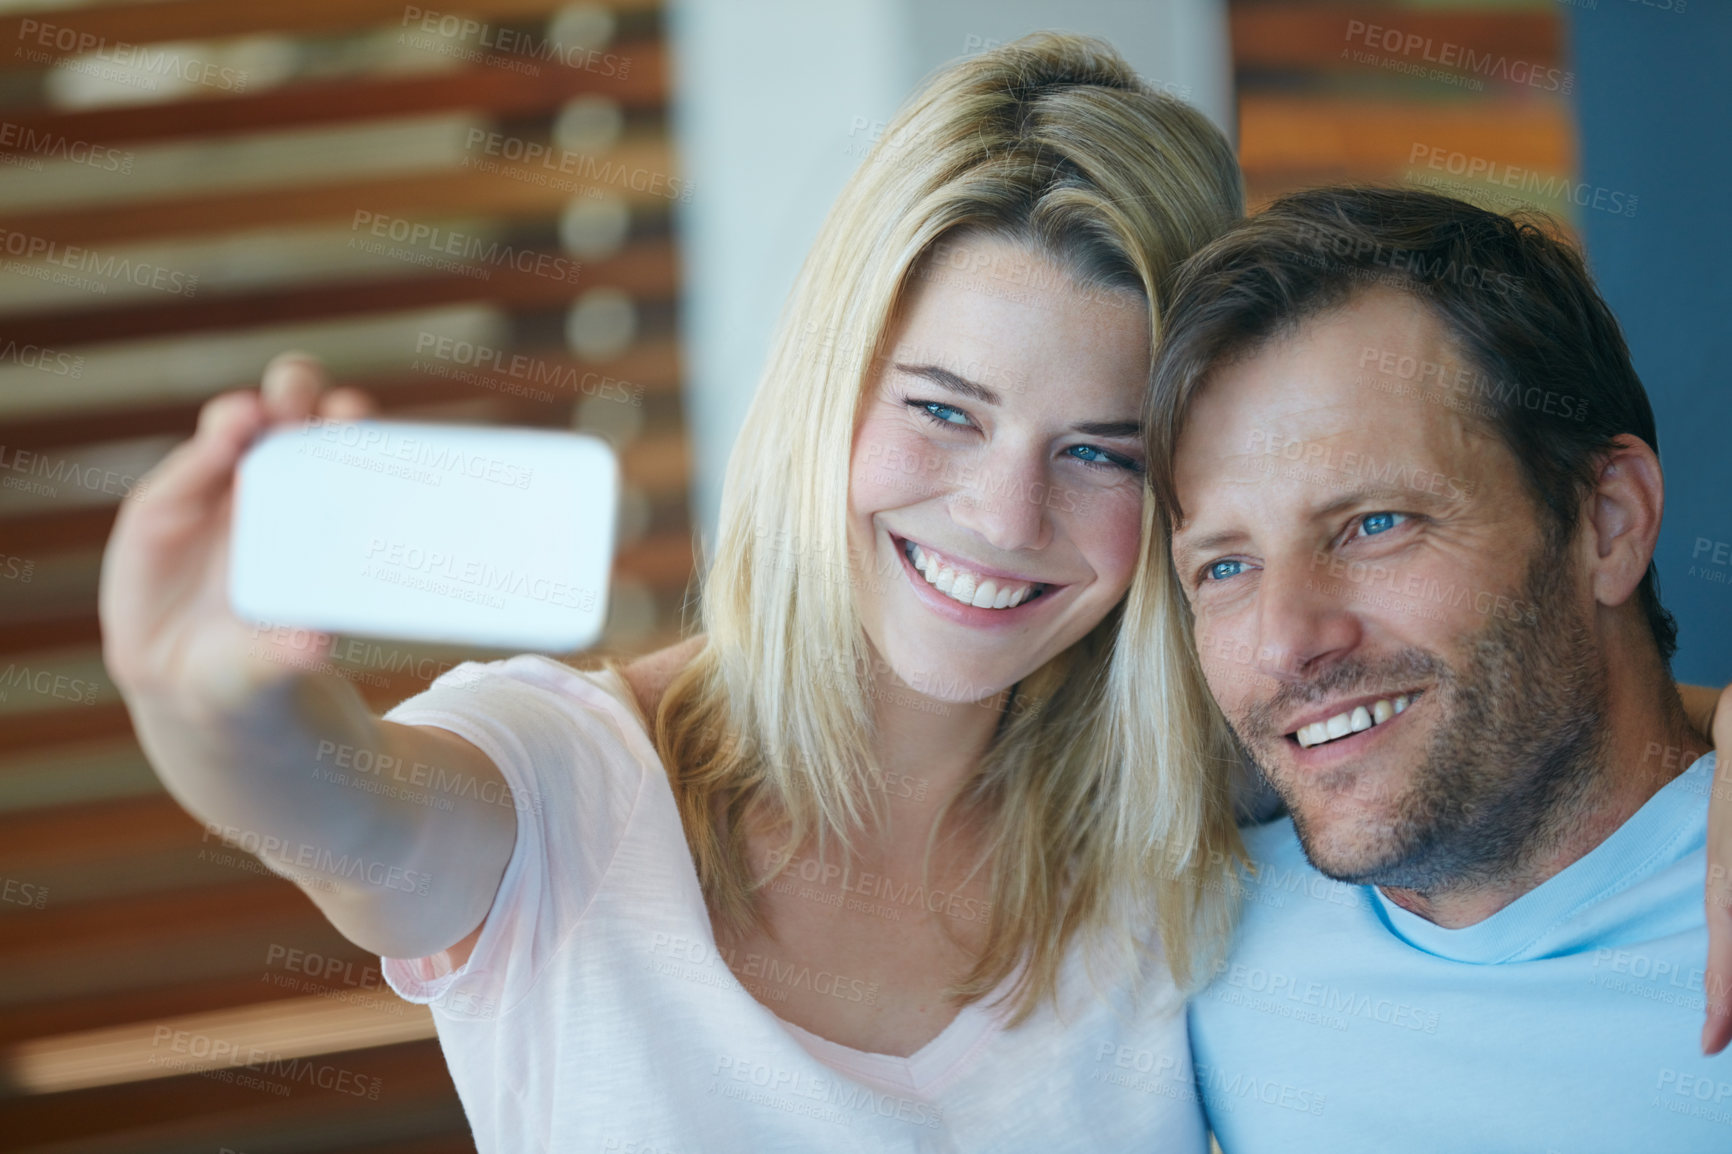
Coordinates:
(1361,401)
(1377,369)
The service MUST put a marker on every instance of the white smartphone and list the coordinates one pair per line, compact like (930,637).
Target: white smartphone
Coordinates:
(447,533)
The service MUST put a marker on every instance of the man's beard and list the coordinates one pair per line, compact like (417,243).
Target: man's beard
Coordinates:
(1516,750)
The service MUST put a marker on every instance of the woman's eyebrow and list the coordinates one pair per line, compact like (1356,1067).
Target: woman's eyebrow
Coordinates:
(959,384)
(1109,428)
(949,380)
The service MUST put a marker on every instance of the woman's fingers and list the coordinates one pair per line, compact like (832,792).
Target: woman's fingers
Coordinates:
(1717,982)
(297,386)
(346,404)
(292,385)
(199,471)
(1720,725)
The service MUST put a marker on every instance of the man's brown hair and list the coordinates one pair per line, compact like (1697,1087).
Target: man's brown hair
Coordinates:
(1547,368)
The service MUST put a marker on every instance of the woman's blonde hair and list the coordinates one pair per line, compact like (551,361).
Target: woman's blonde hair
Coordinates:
(1095,792)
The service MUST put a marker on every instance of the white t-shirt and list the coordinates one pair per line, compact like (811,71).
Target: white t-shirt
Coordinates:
(595,1015)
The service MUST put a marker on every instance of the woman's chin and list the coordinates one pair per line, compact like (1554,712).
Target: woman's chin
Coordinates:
(943,681)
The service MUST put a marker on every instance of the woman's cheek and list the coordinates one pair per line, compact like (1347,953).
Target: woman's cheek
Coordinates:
(1107,527)
(892,469)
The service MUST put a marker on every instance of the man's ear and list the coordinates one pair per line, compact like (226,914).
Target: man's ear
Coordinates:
(1623,518)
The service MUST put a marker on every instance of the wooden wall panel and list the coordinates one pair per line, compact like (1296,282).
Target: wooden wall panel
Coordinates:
(1403,93)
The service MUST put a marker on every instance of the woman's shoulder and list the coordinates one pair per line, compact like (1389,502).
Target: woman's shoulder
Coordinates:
(637,684)
(649,676)
(614,705)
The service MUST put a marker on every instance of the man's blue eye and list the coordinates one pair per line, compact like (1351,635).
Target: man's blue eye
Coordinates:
(1221,570)
(1375,523)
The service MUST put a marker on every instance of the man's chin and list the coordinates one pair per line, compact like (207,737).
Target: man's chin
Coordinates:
(1353,847)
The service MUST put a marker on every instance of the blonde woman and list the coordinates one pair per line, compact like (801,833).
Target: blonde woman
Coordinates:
(873,863)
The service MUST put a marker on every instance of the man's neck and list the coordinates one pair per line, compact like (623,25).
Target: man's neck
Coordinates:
(1650,743)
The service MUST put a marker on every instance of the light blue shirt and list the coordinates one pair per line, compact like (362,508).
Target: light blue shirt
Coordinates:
(1568,1021)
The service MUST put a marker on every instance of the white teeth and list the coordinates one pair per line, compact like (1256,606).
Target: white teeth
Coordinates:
(927,566)
(1356,720)
(968,588)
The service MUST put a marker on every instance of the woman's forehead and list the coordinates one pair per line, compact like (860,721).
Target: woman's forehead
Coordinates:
(1026,339)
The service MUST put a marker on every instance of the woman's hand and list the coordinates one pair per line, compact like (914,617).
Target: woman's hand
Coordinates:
(163,602)
(1717,982)
(232,718)
(1710,715)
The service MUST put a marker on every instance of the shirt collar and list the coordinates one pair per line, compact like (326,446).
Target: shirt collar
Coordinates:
(1670,825)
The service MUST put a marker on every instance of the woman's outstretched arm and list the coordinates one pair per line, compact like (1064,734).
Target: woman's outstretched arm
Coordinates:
(246,731)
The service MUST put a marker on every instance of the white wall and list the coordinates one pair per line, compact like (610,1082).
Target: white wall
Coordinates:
(775,102)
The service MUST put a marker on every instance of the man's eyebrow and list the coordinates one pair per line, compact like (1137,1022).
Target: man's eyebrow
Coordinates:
(1184,550)
(944,378)
(1391,496)
(1395,497)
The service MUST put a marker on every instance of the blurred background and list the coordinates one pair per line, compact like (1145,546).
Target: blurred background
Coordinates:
(532,213)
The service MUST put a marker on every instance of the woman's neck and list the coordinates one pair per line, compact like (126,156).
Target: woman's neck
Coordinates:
(928,751)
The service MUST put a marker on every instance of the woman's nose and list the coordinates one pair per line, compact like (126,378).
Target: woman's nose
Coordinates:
(1007,503)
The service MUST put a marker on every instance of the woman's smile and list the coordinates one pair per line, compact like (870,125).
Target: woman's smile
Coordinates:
(969,593)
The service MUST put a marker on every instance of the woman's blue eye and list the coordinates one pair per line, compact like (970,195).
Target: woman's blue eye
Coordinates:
(1221,570)
(939,411)
(1090,455)
(1375,523)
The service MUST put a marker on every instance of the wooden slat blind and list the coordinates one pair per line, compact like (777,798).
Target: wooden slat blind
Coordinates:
(120,916)
(1356,91)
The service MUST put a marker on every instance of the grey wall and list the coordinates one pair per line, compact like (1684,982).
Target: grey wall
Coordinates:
(1654,103)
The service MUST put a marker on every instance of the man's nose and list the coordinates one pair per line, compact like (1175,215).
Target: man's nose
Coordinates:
(1302,621)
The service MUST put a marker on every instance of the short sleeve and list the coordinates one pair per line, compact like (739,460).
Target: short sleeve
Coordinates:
(575,760)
